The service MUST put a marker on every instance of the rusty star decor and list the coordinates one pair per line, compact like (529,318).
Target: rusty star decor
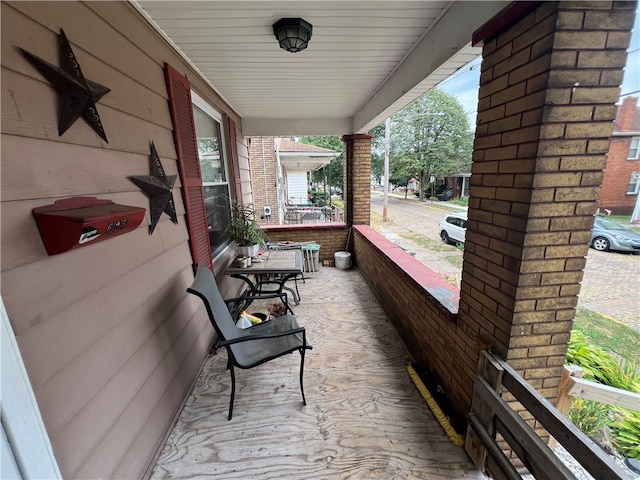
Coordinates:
(157,187)
(77,96)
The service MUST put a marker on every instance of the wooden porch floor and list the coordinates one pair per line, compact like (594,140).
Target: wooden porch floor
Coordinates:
(364,418)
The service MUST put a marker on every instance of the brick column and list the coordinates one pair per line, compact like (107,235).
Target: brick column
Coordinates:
(548,87)
(264,178)
(357,188)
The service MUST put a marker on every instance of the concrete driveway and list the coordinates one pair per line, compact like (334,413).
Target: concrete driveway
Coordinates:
(611,283)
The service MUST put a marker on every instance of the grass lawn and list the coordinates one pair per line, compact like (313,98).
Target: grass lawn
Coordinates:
(609,334)
(455,260)
(427,243)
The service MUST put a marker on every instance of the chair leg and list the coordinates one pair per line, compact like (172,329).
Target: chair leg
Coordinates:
(304,400)
(295,279)
(233,383)
(296,298)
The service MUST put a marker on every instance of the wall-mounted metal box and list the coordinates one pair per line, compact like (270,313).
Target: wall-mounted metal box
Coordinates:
(80,221)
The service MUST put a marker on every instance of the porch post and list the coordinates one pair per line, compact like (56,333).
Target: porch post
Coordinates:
(549,83)
(357,178)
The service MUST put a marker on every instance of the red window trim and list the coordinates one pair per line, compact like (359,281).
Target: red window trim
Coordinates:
(184,134)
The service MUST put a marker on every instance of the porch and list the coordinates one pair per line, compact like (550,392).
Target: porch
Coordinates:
(364,417)
(112,342)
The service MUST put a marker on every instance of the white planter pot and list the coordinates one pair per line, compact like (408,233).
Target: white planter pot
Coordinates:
(250,251)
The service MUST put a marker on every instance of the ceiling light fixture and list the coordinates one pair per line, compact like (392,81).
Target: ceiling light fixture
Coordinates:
(293,34)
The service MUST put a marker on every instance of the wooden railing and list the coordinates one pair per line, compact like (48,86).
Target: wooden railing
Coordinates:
(491,415)
(573,385)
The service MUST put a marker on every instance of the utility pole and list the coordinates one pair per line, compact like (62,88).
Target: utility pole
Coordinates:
(387,142)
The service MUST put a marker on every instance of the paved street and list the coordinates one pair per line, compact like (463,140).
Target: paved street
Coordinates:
(611,283)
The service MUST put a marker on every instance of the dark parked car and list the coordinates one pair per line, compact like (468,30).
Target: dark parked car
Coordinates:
(609,235)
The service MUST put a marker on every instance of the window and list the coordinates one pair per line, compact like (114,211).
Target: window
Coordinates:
(213,168)
(458,222)
(634,184)
(634,149)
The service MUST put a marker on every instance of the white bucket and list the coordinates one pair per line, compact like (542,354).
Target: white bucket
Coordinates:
(316,260)
(342,259)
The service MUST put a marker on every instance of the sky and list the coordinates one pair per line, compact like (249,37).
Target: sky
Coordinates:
(464,84)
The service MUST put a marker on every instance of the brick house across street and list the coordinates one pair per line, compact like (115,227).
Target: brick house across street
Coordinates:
(621,182)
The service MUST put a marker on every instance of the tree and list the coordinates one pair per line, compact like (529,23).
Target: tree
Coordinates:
(336,167)
(433,134)
(401,170)
(377,152)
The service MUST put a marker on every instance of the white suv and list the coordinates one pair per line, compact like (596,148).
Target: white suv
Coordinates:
(453,227)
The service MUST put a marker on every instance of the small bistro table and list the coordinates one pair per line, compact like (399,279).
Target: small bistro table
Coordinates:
(273,267)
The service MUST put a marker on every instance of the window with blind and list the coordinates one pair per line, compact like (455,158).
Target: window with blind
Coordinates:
(634,184)
(634,149)
(214,171)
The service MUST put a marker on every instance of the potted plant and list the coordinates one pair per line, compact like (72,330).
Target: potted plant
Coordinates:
(245,230)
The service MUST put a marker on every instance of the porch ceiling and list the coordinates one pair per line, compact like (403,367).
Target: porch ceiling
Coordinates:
(365,61)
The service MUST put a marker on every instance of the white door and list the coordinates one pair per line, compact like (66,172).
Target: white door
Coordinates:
(297,188)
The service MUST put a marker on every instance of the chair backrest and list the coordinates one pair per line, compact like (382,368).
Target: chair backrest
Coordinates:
(205,287)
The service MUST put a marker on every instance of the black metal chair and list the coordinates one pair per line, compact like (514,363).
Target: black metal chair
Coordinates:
(248,348)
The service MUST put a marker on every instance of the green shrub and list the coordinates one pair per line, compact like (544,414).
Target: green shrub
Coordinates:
(625,429)
(602,367)
(464,201)
(589,416)
(586,355)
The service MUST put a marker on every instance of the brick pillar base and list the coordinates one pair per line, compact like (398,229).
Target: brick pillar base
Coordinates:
(357,191)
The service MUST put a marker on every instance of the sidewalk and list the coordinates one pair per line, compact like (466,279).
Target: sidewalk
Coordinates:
(411,197)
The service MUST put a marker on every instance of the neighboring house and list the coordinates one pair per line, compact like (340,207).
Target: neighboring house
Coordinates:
(280,174)
(460,184)
(621,182)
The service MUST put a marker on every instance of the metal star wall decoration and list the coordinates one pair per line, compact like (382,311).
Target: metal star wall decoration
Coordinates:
(157,187)
(77,96)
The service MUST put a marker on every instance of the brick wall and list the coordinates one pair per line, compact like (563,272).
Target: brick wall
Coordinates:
(618,171)
(332,238)
(617,175)
(357,192)
(548,89)
(263,177)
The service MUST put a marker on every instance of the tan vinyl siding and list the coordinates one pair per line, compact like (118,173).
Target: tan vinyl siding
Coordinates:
(109,337)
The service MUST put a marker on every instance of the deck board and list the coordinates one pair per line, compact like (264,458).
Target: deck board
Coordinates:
(364,418)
